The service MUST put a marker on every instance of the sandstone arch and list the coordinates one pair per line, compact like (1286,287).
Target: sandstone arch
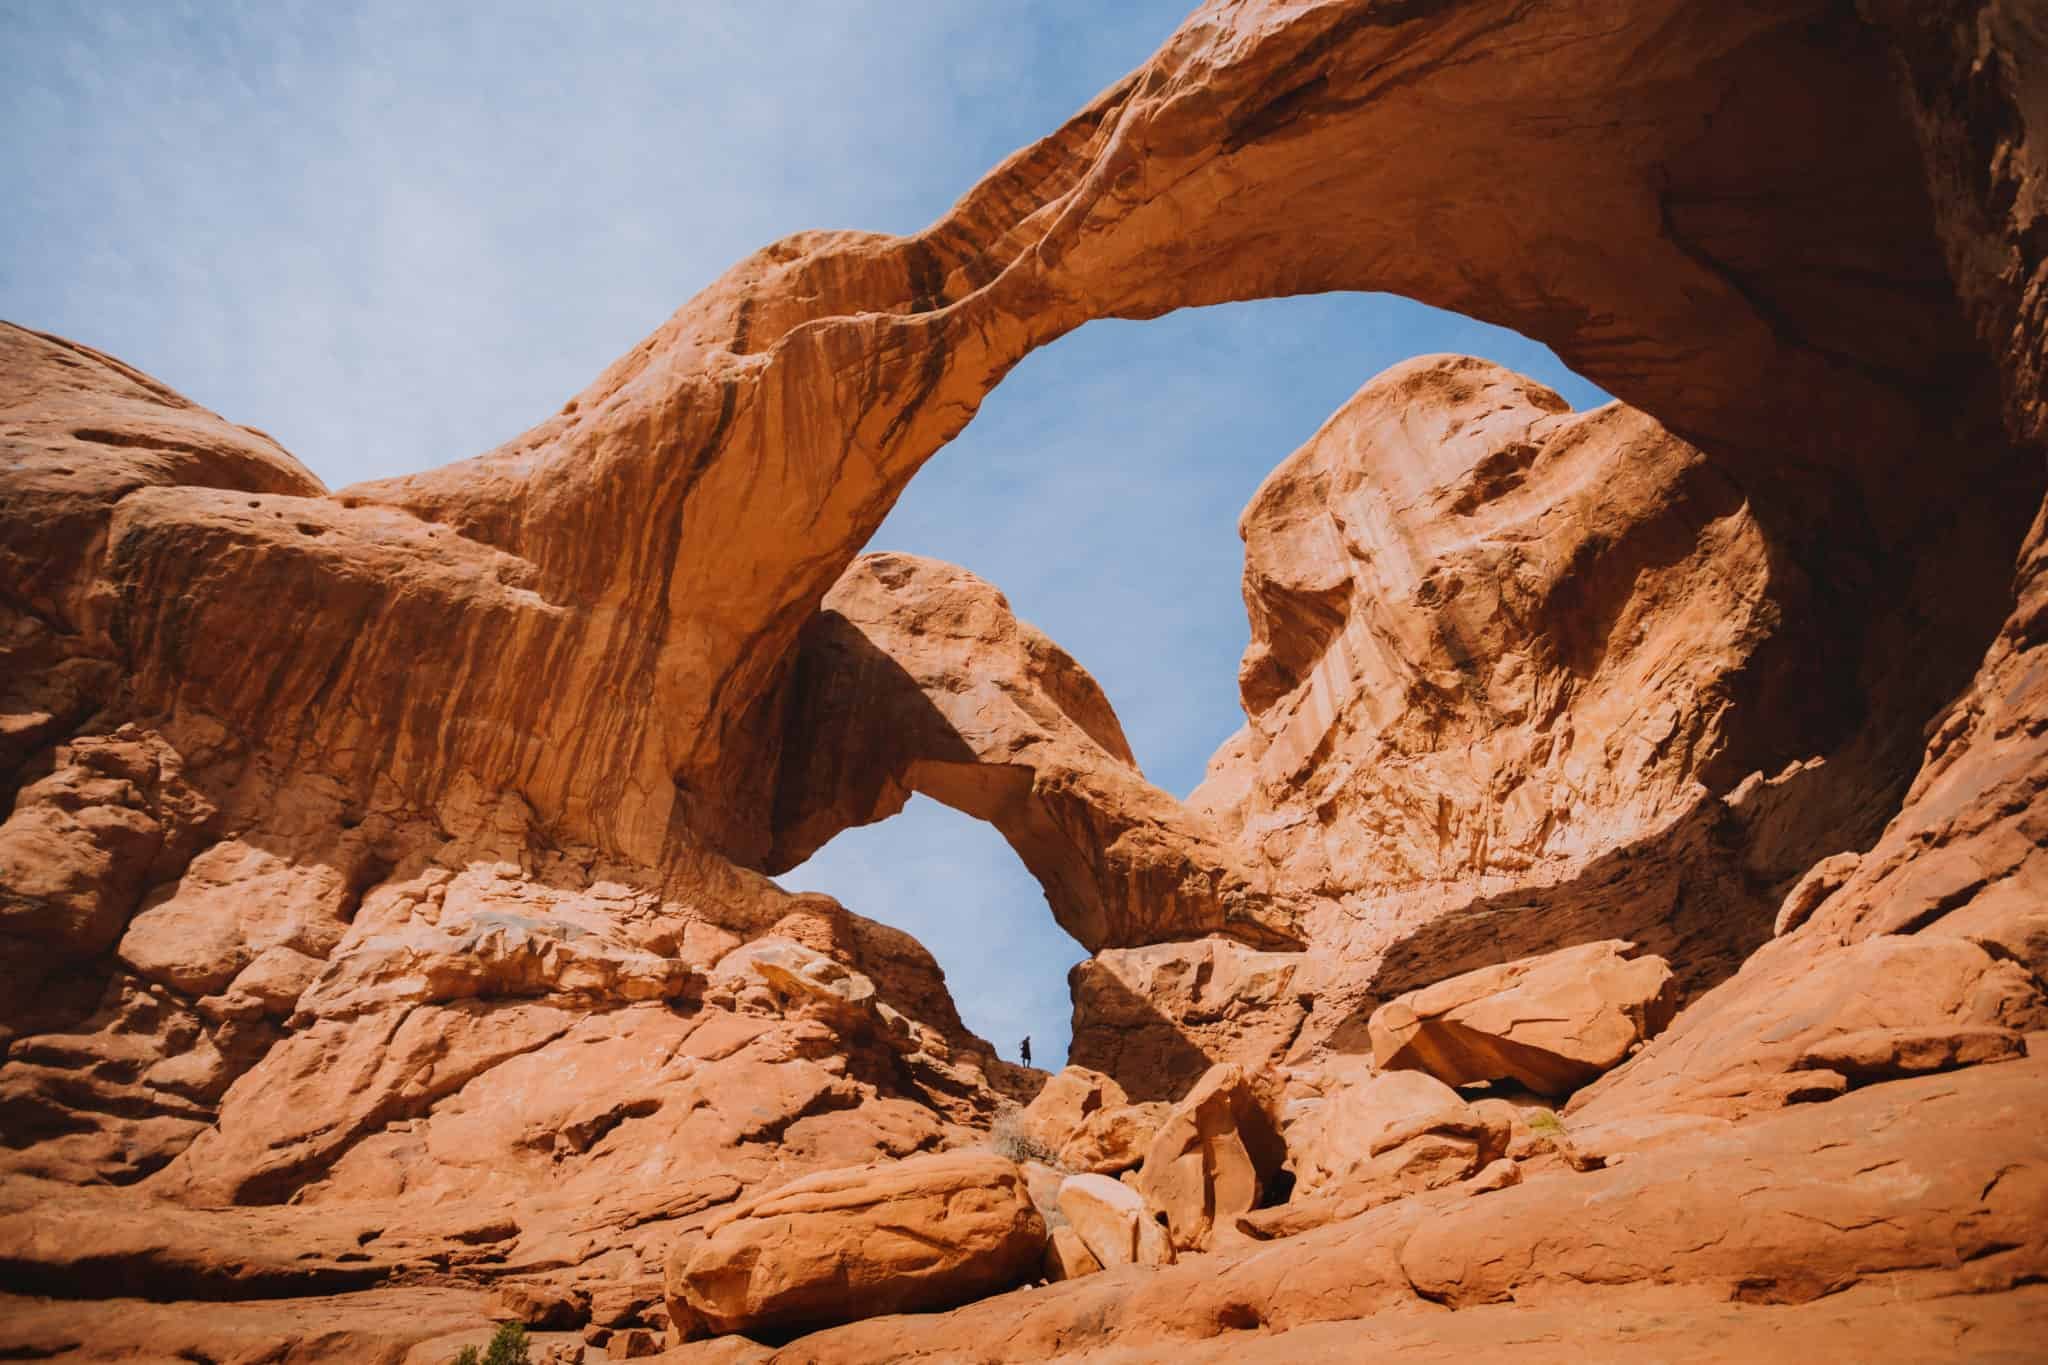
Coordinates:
(915,676)
(560,677)
(639,566)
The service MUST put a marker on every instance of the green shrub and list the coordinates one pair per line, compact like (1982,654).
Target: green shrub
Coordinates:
(508,1347)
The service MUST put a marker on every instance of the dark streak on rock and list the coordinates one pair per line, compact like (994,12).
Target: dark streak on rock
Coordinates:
(742,326)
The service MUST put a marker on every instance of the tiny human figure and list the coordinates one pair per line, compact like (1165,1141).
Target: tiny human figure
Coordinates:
(1024,1049)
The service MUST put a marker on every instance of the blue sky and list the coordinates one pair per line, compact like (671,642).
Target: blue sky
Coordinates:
(394,235)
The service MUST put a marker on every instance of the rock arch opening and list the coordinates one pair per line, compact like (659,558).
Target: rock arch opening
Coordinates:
(949,880)
(1519,677)
(580,691)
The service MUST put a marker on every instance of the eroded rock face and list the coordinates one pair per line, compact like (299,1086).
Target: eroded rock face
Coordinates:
(1500,636)
(1380,1138)
(1550,1023)
(1505,670)
(437,924)
(1114,1222)
(915,676)
(1215,1156)
(928,1232)
(1157,1018)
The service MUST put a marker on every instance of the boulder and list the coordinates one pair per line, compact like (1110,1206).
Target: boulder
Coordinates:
(636,1343)
(1382,1138)
(1216,1155)
(1551,1023)
(1883,1054)
(1498,1175)
(928,1232)
(1067,1255)
(1112,1141)
(1113,1222)
(538,1305)
(1065,1104)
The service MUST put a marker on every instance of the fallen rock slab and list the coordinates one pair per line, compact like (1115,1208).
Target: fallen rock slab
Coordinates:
(1113,1222)
(927,1232)
(1385,1137)
(1215,1156)
(1067,1255)
(1884,1054)
(1551,1023)
(635,1343)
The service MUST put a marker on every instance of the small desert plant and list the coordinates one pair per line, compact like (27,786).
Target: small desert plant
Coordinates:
(508,1347)
(1010,1140)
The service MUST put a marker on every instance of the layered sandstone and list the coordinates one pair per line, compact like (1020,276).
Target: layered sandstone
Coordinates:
(394,853)
(915,676)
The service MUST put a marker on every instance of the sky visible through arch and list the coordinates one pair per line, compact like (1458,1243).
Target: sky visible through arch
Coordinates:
(394,235)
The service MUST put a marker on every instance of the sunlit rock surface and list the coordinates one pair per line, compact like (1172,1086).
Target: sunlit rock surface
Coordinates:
(381,881)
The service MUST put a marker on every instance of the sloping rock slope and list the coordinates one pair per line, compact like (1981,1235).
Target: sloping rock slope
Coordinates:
(382,916)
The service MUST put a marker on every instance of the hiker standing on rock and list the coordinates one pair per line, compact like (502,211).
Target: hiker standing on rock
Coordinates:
(1024,1049)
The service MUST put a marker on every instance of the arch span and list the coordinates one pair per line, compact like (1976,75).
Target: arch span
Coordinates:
(710,487)
(638,568)
(916,677)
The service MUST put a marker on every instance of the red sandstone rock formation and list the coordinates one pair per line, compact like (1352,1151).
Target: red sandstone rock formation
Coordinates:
(1550,1024)
(930,1232)
(388,852)
(914,676)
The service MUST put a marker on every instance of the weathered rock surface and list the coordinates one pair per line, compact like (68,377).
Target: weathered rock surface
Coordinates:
(1376,1139)
(915,676)
(1549,1023)
(927,1232)
(1060,1111)
(436,924)
(1215,1156)
(1114,1223)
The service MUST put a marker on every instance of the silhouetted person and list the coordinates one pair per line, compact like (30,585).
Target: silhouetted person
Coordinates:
(1024,1049)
